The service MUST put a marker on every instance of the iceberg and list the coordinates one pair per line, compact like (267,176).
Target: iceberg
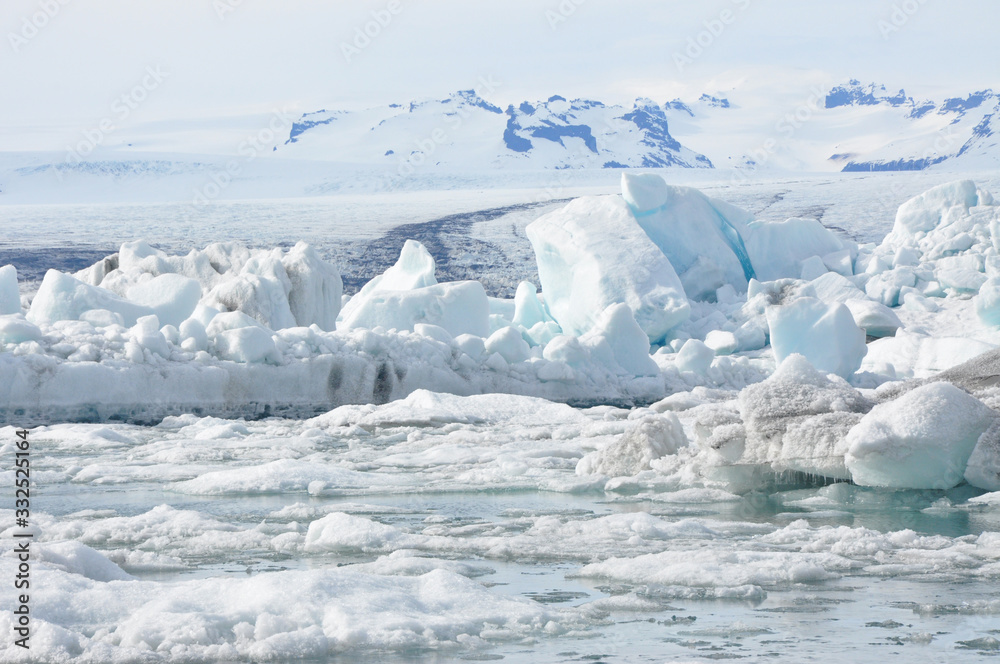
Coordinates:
(459,307)
(779,249)
(798,419)
(10,295)
(922,440)
(826,335)
(63,297)
(592,254)
(692,230)
(265,331)
(413,269)
(172,297)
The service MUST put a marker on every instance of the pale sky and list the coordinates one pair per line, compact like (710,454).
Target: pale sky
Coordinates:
(226,57)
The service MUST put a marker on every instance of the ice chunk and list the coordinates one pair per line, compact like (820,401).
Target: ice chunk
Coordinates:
(798,419)
(260,291)
(876,319)
(988,302)
(736,574)
(886,286)
(471,345)
(238,337)
(14,329)
(63,297)
(840,262)
(345,532)
(413,269)
(172,297)
(528,311)
(695,356)
(812,268)
(778,249)
(507,341)
(688,226)
(10,296)
(914,355)
(983,469)
(990,499)
(826,335)
(78,558)
(316,287)
(567,350)
(629,345)
(644,440)
(922,440)
(246,344)
(592,254)
(193,335)
(961,278)
(722,342)
(102,318)
(940,204)
(832,287)
(459,307)
(433,332)
(146,334)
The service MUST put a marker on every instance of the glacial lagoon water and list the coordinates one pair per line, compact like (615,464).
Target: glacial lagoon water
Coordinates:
(782,573)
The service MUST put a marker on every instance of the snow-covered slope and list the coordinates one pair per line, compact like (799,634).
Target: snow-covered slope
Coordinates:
(464,130)
(762,123)
(922,134)
(851,127)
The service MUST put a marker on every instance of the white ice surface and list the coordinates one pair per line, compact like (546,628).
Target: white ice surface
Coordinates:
(591,254)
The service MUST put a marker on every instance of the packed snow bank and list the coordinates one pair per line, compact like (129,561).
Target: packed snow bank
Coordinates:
(591,254)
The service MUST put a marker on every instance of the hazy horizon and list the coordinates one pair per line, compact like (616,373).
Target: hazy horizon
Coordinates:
(232,57)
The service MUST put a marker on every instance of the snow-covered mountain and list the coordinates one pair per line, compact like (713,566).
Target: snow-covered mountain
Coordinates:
(850,127)
(464,130)
(958,131)
(767,123)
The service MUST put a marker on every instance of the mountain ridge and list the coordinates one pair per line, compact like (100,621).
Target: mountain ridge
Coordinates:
(855,127)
